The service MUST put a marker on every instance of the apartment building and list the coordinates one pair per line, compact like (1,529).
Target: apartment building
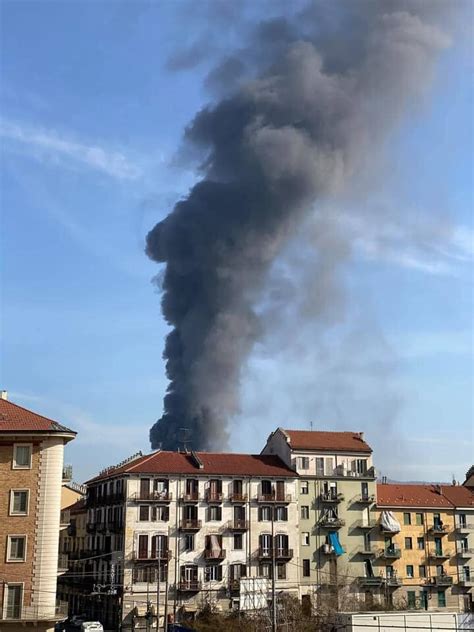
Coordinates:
(417,543)
(337,493)
(178,530)
(31,465)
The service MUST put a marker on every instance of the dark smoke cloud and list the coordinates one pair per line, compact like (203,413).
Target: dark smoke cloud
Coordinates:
(310,118)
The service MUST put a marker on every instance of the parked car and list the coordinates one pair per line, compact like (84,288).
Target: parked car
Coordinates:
(92,626)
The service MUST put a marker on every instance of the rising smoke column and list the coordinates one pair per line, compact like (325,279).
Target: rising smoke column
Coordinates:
(297,132)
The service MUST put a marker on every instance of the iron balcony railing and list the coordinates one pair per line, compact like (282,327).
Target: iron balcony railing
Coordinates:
(191,585)
(394,581)
(280,553)
(438,529)
(440,555)
(189,524)
(237,497)
(152,497)
(238,524)
(441,580)
(372,581)
(331,523)
(390,553)
(341,472)
(274,497)
(190,497)
(214,556)
(213,497)
(364,499)
(146,556)
(332,497)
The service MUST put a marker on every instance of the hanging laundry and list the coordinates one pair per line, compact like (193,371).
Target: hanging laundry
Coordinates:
(336,545)
(389,522)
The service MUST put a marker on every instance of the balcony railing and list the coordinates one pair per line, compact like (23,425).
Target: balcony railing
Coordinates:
(442,580)
(464,526)
(364,499)
(190,524)
(394,581)
(274,497)
(238,524)
(331,523)
(214,556)
(438,529)
(213,497)
(237,497)
(145,556)
(341,472)
(440,555)
(280,553)
(191,497)
(192,585)
(372,581)
(390,553)
(63,563)
(331,497)
(35,613)
(465,552)
(152,497)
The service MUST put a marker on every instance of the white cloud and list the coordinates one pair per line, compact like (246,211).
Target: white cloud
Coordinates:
(43,144)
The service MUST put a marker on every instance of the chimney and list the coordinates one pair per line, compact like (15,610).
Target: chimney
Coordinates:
(361,436)
(4,395)
(384,480)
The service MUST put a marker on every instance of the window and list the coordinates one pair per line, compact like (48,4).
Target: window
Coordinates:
(305,512)
(19,502)
(306,568)
(466,573)
(462,520)
(281,514)
(22,456)
(281,570)
(437,519)
(238,541)
(303,462)
(408,543)
(463,544)
(265,570)
(16,548)
(264,514)
(304,487)
(411,598)
(389,571)
(305,538)
(144,513)
(420,543)
(14,601)
(407,518)
(361,466)
(160,514)
(422,570)
(419,519)
(214,513)
(213,573)
(439,570)
(189,542)
(410,573)
(441,599)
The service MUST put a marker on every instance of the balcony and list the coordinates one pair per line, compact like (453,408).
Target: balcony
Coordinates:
(364,525)
(394,582)
(372,582)
(331,523)
(63,563)
(163,555)
(464,527)
(466,582)
(364,499)
(440,555)
(280,554)
(152,497)
(238,525)
(367,551)
(238,497)
(192,585)
(465,552)
(191,497)
(282,499)
(442,581)
(390,553)
(64,519)
(214,556)
(341,472)
(331,497)
(35,613)
(438,529)
(190,524)
(213,497)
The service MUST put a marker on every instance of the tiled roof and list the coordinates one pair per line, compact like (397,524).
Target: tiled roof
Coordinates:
(406,495)
(459,496)
(327,441)
(212,463)
(77,507)
(14,418)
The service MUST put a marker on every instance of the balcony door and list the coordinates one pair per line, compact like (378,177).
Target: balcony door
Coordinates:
(237,488)
(189,574)
(280,490)
(190,512)
(142,546)
(266,544)
(144,487)
(239,513)
(281,544)
(159,544)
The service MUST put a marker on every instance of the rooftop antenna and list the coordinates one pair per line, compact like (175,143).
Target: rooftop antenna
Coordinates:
(311,426)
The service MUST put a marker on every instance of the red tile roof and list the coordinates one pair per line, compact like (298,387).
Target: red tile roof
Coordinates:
(406,495)
(14,418)
(77,507)
(213,463)
(327,441)
(459,496)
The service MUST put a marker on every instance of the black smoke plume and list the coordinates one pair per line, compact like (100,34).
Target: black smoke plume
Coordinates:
(324,92)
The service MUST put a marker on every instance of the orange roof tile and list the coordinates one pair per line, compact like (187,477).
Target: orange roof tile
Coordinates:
(14,418)
(406,495)
(327,441)
(459,496)
(213,463)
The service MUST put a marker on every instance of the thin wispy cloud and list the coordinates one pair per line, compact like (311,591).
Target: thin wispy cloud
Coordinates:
(46,144)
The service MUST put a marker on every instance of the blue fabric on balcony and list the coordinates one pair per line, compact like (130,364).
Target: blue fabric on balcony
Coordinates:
(336,545)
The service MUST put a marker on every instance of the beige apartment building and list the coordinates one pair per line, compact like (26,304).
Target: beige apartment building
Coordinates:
(336,500)
(173,531)
(31,468)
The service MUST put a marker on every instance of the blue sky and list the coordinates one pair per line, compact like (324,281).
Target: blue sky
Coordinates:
(91,121)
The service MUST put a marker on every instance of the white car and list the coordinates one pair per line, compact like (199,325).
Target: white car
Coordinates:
(92,626)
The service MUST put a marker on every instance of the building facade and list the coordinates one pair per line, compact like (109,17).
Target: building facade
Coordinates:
(424,544)
(179,530)
(336,500)
(31,467)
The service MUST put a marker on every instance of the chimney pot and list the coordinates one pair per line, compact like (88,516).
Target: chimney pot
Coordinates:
(4,395)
